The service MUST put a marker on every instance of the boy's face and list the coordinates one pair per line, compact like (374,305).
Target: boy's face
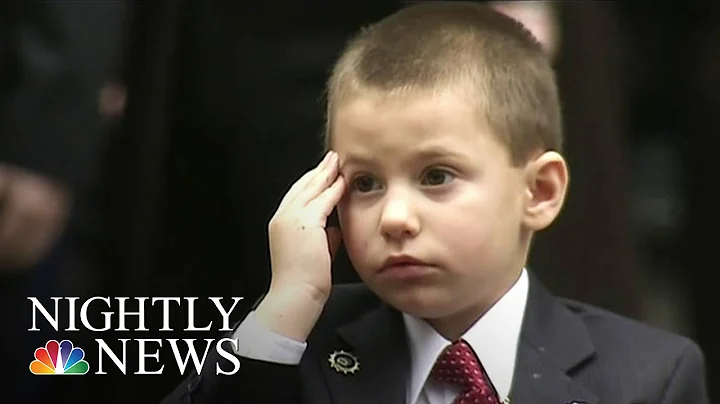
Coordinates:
(427,182)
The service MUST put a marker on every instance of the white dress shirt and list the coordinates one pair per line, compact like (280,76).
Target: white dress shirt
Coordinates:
(494,338)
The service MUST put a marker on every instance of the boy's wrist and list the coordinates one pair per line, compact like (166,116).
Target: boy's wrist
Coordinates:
(291,312)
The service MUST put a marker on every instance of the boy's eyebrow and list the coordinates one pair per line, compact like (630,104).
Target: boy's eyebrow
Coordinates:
(436,152)
(357,159)
(430,152)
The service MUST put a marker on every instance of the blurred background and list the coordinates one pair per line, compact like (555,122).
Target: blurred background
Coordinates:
(145,145)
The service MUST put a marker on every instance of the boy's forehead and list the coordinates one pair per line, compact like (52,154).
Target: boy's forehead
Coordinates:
(431,120)
(369,110)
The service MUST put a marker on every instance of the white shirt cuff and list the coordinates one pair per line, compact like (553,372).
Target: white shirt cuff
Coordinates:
(255,341)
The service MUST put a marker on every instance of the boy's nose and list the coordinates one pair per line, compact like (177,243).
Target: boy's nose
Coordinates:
(398,219)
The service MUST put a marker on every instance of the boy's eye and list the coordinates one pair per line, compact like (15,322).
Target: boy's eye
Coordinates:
(436,176)
(364,183)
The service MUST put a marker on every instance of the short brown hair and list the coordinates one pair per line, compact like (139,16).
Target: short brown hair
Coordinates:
(436,45)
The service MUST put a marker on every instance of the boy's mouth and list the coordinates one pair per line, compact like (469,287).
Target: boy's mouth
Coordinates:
(405,268)
(402,260)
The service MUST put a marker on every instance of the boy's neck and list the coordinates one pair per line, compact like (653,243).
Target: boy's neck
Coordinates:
(453,327)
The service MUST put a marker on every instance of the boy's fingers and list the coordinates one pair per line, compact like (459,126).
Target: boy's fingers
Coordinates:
(324,179)
(326,201)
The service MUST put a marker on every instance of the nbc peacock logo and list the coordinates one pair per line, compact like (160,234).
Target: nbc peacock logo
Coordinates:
(59,359)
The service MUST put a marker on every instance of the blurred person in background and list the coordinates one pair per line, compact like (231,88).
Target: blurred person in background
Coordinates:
(672,82)
(54,59)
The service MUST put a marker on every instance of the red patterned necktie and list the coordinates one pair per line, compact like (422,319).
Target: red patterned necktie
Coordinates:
(458,365)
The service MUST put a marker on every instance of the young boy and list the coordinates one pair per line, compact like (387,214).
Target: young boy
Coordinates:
(444,131)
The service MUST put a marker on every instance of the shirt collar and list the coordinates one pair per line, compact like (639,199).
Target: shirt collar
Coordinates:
(494,338)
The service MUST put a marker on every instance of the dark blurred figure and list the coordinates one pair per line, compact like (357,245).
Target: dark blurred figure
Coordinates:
(54,59)
(673,86)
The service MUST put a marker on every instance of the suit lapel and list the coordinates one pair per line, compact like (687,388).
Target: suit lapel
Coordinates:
(379,343)
(554,342)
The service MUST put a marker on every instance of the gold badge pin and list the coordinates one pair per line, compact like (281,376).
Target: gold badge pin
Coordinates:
(344,362)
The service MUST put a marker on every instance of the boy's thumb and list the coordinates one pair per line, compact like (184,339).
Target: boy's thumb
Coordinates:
(334,236)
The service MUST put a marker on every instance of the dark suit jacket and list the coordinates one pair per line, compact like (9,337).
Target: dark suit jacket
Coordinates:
(569,352)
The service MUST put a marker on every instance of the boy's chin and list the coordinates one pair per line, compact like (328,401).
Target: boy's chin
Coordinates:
(421,301)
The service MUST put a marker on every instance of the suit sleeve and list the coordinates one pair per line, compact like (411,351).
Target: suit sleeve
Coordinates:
(261,380)
(59,55)
(688,381)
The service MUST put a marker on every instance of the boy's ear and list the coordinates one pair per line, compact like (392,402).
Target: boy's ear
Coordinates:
(546,185)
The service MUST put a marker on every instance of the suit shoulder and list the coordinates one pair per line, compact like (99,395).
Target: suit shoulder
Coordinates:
(347,302)
(631,361)
(613,334)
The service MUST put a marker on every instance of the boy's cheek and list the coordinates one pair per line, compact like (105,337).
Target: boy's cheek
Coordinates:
(350,218)
(357,243)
